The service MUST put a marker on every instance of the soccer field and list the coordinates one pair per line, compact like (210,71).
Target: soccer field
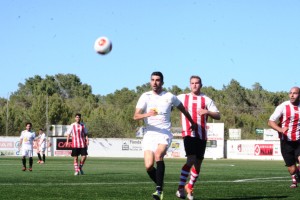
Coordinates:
(123,178)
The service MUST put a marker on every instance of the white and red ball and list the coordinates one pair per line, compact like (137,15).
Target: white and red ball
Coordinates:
(103,45)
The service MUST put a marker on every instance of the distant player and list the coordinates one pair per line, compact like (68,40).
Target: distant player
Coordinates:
(26,146)
(286,121)
(41,146)
(80,142)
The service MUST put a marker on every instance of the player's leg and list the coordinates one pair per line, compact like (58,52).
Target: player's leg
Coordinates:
(184,174)
(149,164)
(160,169)
(288,154)
(39,155)
(185,170)
(24,154)
(199,147)
(44,156)
(24,163)
(30,155)
(83,159)
(148,147)
(75,153)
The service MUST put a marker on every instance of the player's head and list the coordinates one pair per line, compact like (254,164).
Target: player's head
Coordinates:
(28,126)
(77,117)
(195,84)
(157,81)
(158,74)
(294,95)
(41,130)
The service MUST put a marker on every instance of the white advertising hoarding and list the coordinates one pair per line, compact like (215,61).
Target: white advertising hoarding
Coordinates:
(253,149)
(118,147)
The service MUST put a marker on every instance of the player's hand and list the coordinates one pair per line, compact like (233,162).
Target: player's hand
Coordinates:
(193,126)
(153,112)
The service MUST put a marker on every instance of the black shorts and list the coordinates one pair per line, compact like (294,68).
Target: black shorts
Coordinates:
(79,151)
(290,151)
(194,146)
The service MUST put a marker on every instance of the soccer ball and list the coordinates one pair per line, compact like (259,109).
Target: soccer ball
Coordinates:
(103,45)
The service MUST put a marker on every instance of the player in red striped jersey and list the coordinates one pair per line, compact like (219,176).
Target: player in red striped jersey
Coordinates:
(200,108)
(286,121)
(80,142)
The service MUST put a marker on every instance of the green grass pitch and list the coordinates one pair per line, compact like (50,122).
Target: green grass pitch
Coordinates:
(125,178)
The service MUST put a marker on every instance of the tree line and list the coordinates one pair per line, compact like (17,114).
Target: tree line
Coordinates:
(54,100)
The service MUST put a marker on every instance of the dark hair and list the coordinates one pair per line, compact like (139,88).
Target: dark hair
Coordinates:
(41,129)
(158,74)
(29,124)
(78,114)
(197,77)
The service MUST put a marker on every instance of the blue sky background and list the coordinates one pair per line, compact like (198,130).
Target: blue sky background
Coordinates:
(220,40)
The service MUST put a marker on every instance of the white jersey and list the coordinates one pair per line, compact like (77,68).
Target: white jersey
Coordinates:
(162,103)
(27,138)
(42,140)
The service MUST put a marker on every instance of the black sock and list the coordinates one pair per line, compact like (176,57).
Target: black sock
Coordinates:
(152,174)
(39,155)
(44,158)
(160,173)
(30,162)
(24,161)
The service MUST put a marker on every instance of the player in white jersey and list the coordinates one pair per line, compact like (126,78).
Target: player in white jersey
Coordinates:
(41,146)
(286,121)
(155,108)
(200,108)
(26,146)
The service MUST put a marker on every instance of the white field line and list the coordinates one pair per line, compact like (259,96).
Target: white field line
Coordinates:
(254,180)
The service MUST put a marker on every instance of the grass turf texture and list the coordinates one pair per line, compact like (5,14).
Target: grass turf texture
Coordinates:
(123,178)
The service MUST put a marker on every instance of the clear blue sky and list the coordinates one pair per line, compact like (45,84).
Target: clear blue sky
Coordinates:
(247,40)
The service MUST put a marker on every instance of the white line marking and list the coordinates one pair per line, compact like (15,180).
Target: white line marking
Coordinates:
(257,180)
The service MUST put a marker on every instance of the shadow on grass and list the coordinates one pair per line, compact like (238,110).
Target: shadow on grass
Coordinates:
(249,198)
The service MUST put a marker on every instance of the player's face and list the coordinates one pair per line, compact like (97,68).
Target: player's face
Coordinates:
(156,84)
(77,119)
(195,85)
(294,96)
(28,127)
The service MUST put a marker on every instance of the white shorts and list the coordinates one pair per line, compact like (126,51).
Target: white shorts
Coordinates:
(152,139)
(27,153)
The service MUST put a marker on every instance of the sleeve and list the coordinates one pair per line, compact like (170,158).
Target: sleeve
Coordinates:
(70,130)
(211,106)
(85,130)
(33,135)
(181,97)
(277,113)
(175,100)
(21,136)
(141,102)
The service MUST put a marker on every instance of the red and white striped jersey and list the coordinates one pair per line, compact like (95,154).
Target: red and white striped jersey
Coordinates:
(193,104)
(78,133)
(288,116)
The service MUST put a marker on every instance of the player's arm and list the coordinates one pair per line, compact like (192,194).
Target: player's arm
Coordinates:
(214,115)
(187,115)
(277,128)
(140,115)
(274,119)
(68,137)
(87,140)
(20,143)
